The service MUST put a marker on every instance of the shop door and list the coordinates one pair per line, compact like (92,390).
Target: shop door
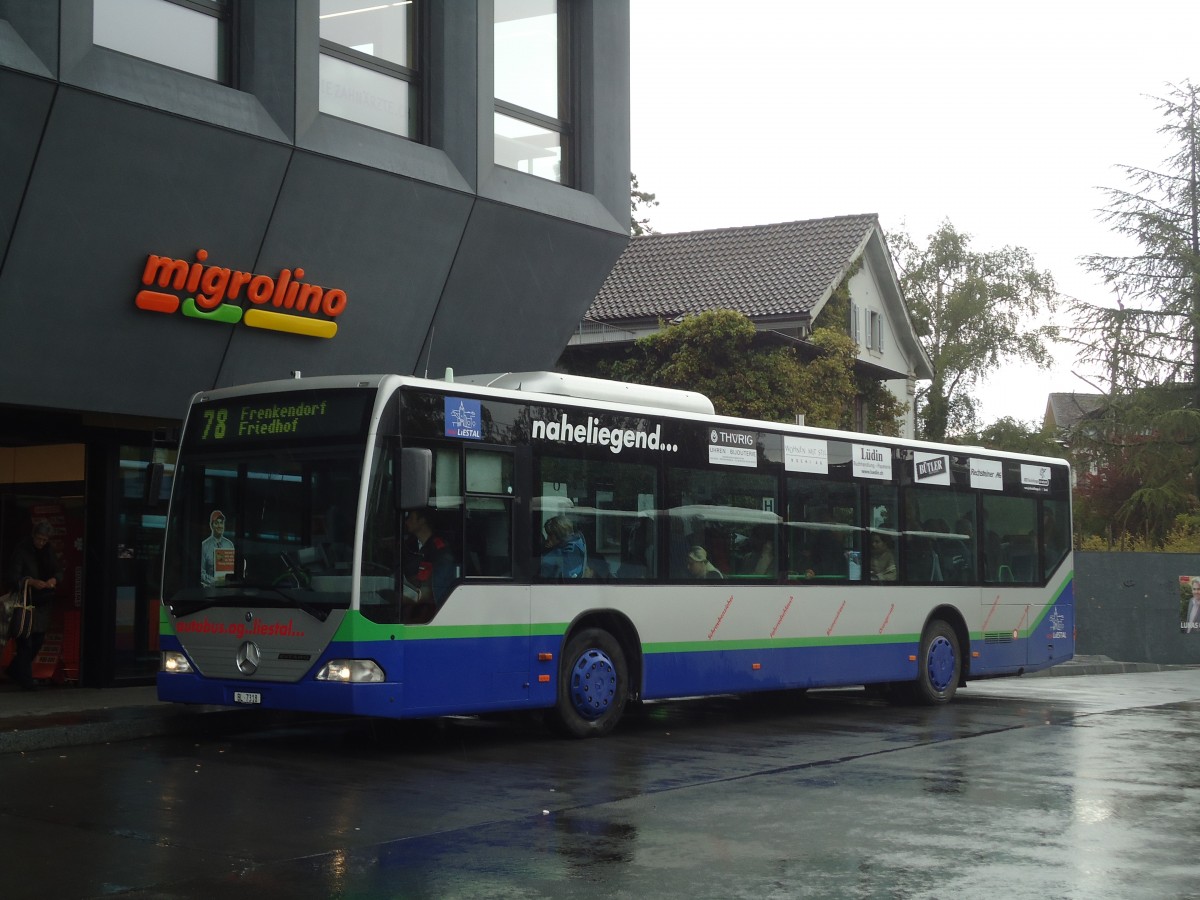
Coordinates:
(144,489)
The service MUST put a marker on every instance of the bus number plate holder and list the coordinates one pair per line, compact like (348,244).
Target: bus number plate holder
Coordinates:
(247,697)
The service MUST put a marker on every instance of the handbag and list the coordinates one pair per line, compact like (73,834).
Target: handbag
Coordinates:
(16,614)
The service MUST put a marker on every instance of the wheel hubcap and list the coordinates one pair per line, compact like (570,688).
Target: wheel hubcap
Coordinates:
(593,684)
(941,664)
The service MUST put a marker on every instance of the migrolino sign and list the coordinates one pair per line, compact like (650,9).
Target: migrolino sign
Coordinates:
(277,303)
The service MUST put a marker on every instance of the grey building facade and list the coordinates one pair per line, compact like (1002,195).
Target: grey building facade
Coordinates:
(198,193)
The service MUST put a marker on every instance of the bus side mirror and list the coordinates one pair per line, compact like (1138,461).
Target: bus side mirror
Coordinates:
(412,481)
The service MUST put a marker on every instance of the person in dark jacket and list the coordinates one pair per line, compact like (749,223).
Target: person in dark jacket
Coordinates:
(34,563)
(429,562)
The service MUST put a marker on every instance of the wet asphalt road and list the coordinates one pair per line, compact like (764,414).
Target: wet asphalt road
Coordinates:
(1043,787)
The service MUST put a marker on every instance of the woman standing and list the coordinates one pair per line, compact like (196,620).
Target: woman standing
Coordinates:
(34,564)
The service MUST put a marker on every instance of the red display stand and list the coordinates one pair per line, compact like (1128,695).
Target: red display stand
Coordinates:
(46,663)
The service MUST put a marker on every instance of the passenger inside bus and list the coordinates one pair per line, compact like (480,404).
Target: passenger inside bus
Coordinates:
(564,553)
(824,553)
(699,566)
(883,559)
(637,549)
(759,558)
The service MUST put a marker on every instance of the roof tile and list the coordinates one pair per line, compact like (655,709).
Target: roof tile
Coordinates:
(759,270)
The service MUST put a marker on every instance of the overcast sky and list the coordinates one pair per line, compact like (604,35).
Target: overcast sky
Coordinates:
(1004,117)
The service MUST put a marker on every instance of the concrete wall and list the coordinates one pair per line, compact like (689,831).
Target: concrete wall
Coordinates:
(1127,606)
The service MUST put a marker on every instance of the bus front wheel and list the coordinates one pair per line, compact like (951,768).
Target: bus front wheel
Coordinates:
(939,665)
(593,684)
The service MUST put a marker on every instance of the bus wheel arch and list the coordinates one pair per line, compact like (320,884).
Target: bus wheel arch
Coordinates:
(599,666)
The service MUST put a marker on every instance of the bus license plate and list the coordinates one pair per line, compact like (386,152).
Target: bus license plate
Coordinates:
(247,697)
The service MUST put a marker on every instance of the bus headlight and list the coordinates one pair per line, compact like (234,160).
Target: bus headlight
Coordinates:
(351,671)
(175,663)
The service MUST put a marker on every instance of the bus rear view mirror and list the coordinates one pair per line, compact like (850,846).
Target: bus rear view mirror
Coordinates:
(412,485)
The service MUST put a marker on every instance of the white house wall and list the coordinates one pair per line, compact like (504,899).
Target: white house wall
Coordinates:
(866,297)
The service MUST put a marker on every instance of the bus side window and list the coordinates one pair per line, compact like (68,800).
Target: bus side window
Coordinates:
(723,513)
(1056,540)
(487,520)
(1009,529)
(824,530)
(610,508)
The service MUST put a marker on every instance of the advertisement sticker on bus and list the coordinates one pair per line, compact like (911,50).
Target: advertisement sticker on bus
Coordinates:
(733,448)
(931,468)
(986,475)
(1035,478)
(805,455)
(464,418)
(872,462)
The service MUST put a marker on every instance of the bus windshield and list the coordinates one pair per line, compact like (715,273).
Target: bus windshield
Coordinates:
(269,525)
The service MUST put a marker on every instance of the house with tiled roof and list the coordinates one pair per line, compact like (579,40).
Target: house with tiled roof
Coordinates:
(1064,412)
(781,276)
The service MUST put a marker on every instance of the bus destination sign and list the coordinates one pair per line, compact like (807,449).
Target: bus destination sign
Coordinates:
(268,418)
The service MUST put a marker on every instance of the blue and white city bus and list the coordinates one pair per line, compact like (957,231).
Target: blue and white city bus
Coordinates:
(711,555)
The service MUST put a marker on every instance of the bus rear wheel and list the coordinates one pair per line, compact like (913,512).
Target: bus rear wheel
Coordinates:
(593,684)
(939,665)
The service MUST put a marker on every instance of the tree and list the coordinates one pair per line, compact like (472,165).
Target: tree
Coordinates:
(639,200)
(1015,436)
(1150,335)
(1146,341)
(720,354)
(972,311)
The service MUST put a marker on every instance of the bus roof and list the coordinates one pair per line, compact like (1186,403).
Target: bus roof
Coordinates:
(584,388)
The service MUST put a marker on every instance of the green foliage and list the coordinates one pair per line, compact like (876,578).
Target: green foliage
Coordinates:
(711,353)
(1143,451)
(718,353)
(972,311)
(835,314)
(1014,436)
(1182,537)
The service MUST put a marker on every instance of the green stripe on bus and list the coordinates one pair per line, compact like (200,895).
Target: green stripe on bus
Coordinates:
(1046,610)
(166,624)
(460,632)
(1040,618)
(355,627)
(778,643)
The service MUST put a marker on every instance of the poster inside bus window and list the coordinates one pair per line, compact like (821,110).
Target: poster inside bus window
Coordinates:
(271,418)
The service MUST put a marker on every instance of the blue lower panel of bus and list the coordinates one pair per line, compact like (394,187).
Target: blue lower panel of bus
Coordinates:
(731,671)
(451,676)
(480,674)
(458,676)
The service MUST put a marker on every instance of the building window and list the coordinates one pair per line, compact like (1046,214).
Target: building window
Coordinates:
(368,64)
(191,35)
(875,331)
(532,88)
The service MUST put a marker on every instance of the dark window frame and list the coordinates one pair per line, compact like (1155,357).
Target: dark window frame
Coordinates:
(411,75)
(226,14)
(568,99)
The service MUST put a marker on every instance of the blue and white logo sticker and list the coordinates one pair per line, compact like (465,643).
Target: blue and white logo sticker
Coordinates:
(464,418)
